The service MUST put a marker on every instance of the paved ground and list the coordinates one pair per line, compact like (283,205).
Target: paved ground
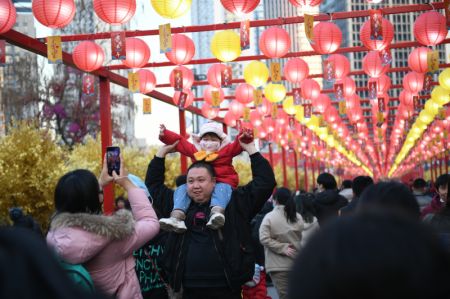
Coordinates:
(272,292)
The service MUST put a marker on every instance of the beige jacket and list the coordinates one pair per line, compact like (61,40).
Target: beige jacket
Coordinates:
(276,234)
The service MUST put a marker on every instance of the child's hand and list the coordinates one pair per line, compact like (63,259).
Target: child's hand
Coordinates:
(162,128)
(246,136)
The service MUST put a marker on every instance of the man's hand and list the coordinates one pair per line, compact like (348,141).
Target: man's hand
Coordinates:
(162,128)
(248,147)
(290,251)
(165,149)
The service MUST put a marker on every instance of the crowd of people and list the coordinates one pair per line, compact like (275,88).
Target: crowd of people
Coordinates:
(210,238)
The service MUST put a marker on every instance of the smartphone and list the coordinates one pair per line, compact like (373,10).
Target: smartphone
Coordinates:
(113,159)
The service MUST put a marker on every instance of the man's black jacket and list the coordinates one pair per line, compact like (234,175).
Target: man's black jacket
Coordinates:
(233,242)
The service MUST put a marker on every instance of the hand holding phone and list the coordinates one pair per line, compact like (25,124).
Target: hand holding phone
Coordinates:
(113,159)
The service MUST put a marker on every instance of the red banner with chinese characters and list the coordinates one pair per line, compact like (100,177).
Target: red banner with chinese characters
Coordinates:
(88,84)
(339,91)
(226,75)
(182,100)
(373,90)
(178,80)
(118,46)
(244,34)
(297,94)
(308,110)
(2,52)
(329,71)
(376,25)
(381,105)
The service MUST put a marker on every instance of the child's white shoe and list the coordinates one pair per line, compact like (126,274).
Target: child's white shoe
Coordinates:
(172,224)
(216,220)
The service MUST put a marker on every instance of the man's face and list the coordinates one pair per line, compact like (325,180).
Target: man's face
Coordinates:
(200,184)
(443,190)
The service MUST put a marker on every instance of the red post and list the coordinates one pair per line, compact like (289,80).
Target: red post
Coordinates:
(271,155)
(225,128)
(183,158)
(296,170)
(106,134)
(283,159)
(313,173)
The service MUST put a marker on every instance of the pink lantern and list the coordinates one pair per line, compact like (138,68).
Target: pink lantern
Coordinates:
(305,2)
(8,15)
(375,44)
(373,65)
(406,97)
(430,28)
(88,56)
(296,70)
(239,7)
(255,118)
(188,76)
(183,49)
(147,81)
(310,89)
(230,119)
(269,124)
(418,59)
(275,42)
(189,99)
(244,93)
(264,108)
(327,38)
(209,112)
(321,103)
(349,86)
(115,12)
(215,74)
(341,65)
(236,108)
(138,53)
(413,82)
(383,83)
(207,94)
(53,14)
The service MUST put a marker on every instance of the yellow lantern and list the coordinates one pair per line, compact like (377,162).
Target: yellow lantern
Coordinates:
(330,141)
(256,73)
(289,107)
(313,123)
(275,92)
(444,78)
(426,117)
(226,45)
(432,107)
(300,115)
(440,95)
(171,9)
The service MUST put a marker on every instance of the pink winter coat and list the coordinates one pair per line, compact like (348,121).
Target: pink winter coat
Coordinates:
(105,244)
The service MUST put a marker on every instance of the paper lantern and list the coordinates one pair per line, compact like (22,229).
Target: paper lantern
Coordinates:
(373,65)
(236,108)
(183,49)
(310,89)
(188,76)
(289,107)
(115,12)
(8,15)
(444,79)
(430,28)
(269,124)
(229,119)
(296,70)
(275,92)
(440,95)
(189,99)
(383,83)
(88,56)
(274,42)
(256,73)
(137,53)
(321,103)
(255,118)
(215,74)
(305,2)
(171,9)
(413,82)
(147,81)
(341,65)
(349,86)
(226,45)
(239,7)
(264,108)
(327,38)
(406,97)
(375,44)
(207,94)
(244,93)
(53,13)
(418,59)
(209,112)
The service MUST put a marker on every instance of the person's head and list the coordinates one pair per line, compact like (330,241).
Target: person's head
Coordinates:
(389,195)
(200,180)
(211,136)
(375,254)
(78,192)
(283,196)
(180,180)
(122,203)
(305,206)
(346,184)
(326,181)
(419,185)
(360,183)
(442,186)
(15,214)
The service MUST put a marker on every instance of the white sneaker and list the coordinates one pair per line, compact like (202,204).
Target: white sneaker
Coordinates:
(172,224)
(216,221)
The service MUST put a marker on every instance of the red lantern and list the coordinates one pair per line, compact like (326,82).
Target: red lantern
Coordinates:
(147,81)
(264,108)
(255,118)
(375,44)
(310,89)
(406,97)
(341,65)
(207,94)
(383,83)
(321,103)
(53,14)
(236,108)
(138,53)
(229,119)
(244,93)
(239,7)
(88,56)
(115,12)
(8,15)
(189,98)
(418,59)
(305,2)
(430,28)
(183,49)
(373,65)
(215,75)
(349,86)
(327,38)
(269,124)
(275,42)
(188,76)
(209,112)
(296,70)
(413,82)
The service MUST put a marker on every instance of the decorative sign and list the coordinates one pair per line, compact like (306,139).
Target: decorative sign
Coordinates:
(427,80)
(433,61)
(309,26)
(2,52)
(376,25)
(339,91)
(381,105)
(274,113)
(275,72)
(147,105)
(118,46)
(342,108)
(372,90)
(215,95)
(178,79)
(246,114)
(244,34)
(297,95)
(447,11)
(291,122)
(226,75)
(329,71)
(54,50)
(386,56)
(416,103)
(88,84)
(238,125)
(133,82)
(165,38)
(257,97)
(182,100)
(308,110)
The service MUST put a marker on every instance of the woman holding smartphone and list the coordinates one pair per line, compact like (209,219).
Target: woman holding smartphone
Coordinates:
(80,234)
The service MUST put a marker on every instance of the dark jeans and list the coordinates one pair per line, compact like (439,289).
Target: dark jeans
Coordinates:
(160,293)
(210,293)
